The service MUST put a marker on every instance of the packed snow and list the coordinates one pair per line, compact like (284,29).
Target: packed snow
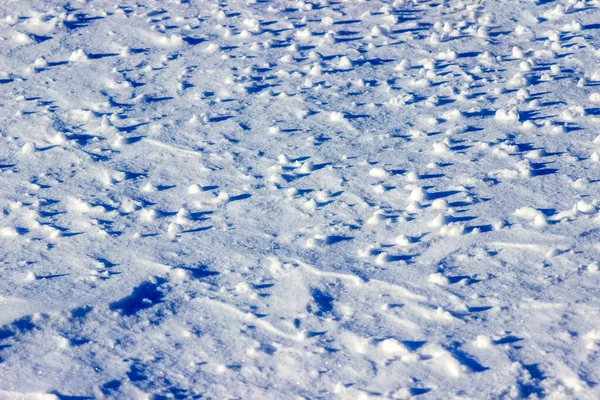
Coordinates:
(300,199)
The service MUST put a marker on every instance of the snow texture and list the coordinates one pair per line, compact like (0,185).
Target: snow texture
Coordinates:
(300,199)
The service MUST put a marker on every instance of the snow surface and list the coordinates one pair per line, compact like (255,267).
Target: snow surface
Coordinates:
(300,199)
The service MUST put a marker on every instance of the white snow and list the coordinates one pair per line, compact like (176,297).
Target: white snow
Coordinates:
(299,199)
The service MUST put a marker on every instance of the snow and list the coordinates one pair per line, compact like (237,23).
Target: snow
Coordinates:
(300,199)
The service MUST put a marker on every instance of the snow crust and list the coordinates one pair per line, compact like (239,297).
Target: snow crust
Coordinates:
(300,199)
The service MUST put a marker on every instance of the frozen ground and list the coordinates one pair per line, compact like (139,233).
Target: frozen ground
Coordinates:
(279,199)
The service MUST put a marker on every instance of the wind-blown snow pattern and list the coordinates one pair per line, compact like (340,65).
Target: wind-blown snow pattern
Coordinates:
(300,199)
